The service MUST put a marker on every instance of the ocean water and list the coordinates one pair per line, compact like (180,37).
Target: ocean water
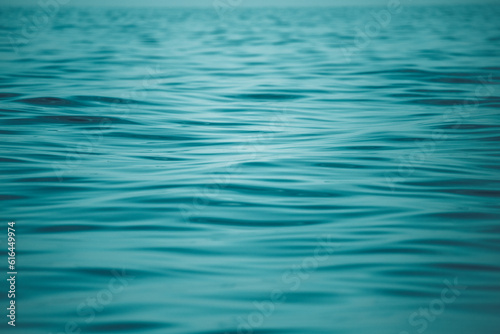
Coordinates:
(236,170)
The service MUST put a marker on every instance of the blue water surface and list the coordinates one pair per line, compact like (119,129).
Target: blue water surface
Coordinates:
(245,170)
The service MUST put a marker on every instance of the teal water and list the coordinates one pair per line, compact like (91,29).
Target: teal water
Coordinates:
(259,171)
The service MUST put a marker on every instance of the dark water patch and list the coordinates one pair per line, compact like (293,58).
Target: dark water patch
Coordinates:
(111,272)
(107,100)
(77,119)
(255,189)
(9,111)
(267,97)
(160,158)
(180,250)
(50,101)
(491,138)
(443,242)
(128,326)
(466,215)
(37,76)
(201,123)
(381,250)
(261,164)
(456,80)
(339,165)
(474,267)
(475,192)
(8,95)
(144,136)
(223,74)
(450,102)
(158,228)
(438,91)
(68,228)
(365,147)
(398,95)
(405,71)
(47,179)
(469,126)
(6,197)
(252,223)
(4,159)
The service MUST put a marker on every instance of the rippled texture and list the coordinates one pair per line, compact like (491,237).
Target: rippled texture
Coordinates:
(218,161)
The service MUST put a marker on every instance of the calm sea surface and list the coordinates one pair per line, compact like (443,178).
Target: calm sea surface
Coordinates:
(272,171)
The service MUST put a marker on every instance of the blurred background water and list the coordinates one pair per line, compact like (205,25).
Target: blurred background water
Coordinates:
(207,156)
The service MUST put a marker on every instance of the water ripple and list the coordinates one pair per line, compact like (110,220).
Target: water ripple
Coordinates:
(188,172)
